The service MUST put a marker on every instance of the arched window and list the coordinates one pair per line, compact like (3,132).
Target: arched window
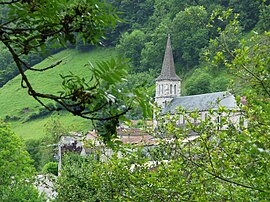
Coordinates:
(218,121)
(162,89)
(158,89)
(175,89)
(171,89)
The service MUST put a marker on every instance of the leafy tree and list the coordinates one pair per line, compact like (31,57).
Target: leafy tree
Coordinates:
(246,58)
(138,11)
(48,145)
(249,12)
(29,27)
(83,186)
(263,23)
(227,159)
(33,147)
(50,168)
(135,81)
(44,150)
(153,52)
(226,38)
(134,15)
(212,5)
(130,46)
(7,69)
(189,35)
(220,83)
(251,63)
(162,10)
(16,171)
(198,83)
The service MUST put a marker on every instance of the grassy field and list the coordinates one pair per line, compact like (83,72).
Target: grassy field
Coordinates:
(17,105)
(36,128)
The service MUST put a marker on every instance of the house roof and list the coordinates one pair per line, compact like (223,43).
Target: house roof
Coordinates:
(168,68)
(127,136)
(202,102)
(139,139)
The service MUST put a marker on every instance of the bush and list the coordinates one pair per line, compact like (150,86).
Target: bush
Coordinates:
(22,192)
(11,118)
(15,169)
(33,147)
(50,168)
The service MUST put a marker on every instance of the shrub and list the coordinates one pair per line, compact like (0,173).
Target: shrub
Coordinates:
(50,168)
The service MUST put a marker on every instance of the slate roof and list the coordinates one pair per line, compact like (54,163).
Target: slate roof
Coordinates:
(202,102)
(168,68)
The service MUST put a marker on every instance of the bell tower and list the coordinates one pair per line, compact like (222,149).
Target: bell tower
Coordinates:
(168,84)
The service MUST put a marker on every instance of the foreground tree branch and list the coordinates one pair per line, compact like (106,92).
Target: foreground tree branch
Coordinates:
(29,26)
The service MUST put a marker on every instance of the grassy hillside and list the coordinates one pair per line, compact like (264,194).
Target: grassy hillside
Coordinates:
(17,106)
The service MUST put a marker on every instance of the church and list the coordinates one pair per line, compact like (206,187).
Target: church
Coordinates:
(168,93)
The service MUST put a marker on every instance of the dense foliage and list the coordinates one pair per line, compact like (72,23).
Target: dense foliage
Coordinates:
(16,171)
(142,34)
(28,27)
(218,165)
(225,160)
(192,25)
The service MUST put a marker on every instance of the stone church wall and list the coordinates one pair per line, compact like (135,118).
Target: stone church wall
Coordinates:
(166,90)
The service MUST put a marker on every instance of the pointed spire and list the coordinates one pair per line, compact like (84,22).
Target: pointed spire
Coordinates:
(168,68)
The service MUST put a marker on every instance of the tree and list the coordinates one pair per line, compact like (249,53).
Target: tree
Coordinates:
(189,35)
(153,52)
(8,68)
(227,160)
(29,26)
(33,148)
(198,83)
(263,23)
(135,12)
(16,171)
(249,12)
(130,46)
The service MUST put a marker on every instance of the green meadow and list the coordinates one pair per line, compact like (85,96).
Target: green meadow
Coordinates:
(17,107)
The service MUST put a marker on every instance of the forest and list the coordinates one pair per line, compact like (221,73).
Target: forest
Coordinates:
(217,46)
(141,37)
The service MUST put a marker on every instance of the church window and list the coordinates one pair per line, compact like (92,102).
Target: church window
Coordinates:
(175,89)
(218,121)
(162,88)
(171,89)
(181,119)
(158,89)
(202,116)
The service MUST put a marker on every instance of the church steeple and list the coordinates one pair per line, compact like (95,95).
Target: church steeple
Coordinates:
(168,68)
(168,84)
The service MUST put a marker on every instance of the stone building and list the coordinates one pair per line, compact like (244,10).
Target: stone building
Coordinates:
(168,84)
(168,93)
